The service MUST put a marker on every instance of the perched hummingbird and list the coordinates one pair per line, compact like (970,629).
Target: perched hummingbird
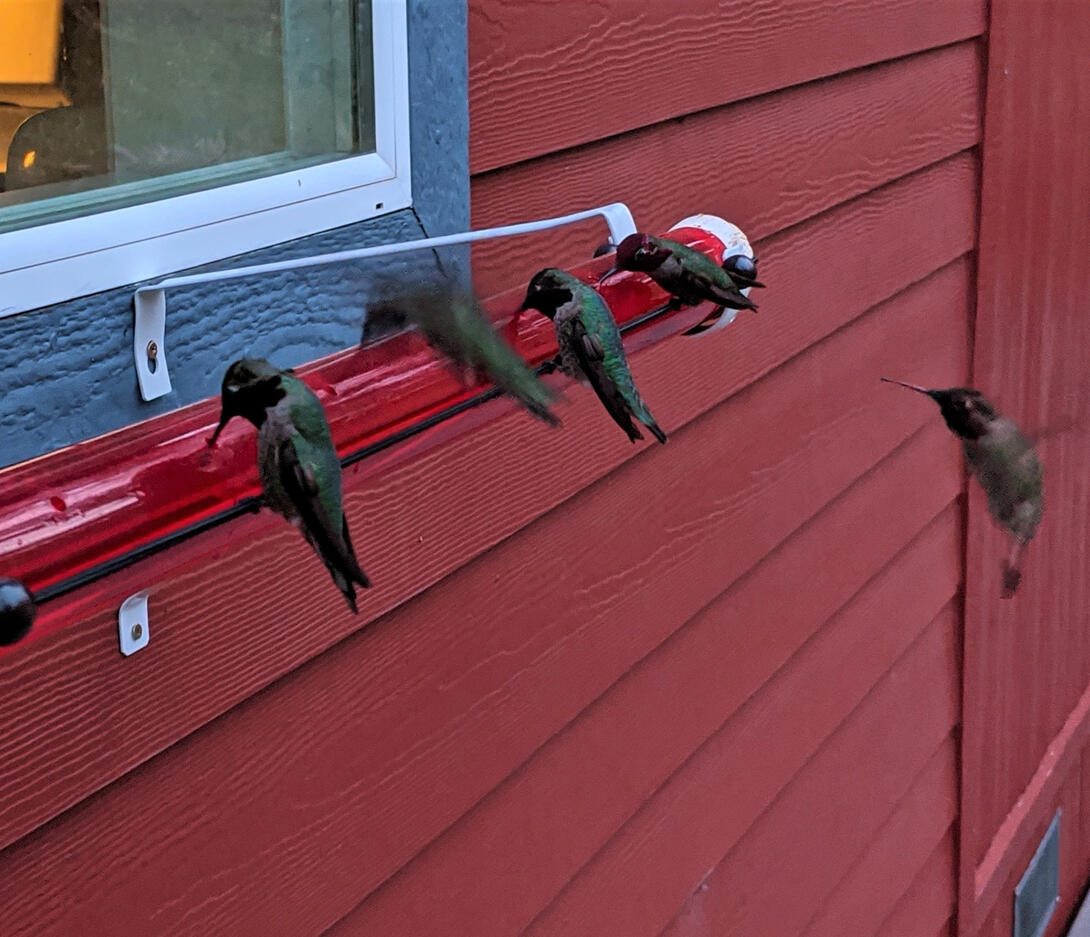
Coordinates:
(590,346)
(689,276)
(17,611)
(1004,463)
(300,472)
(456,326)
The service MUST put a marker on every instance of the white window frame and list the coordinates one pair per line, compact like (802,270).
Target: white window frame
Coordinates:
(64,260)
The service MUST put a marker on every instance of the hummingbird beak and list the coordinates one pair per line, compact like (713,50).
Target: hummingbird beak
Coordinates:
(225,418)
(605,276)
(915,387)
(527,303)
(228,409)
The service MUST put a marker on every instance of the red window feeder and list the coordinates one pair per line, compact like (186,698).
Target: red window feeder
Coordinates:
(78,514)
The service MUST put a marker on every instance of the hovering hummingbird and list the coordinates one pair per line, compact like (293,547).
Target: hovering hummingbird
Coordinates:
(17,611)
(300,472)
(590,346)
(456,326)
(689,276)
(1004,463)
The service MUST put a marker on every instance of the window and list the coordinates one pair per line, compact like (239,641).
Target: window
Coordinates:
(139,138)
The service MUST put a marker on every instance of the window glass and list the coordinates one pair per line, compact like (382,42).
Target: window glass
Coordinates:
(107,103)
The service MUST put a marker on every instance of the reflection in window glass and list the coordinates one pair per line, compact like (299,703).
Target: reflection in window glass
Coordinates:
(105,103)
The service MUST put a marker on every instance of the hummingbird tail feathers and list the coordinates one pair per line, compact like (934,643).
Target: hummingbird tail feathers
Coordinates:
(1012,579)
(317,524)
(707,322)
(612,399)
(346,588)
(343,567)
(351,567)
(1012,572)
(656,432)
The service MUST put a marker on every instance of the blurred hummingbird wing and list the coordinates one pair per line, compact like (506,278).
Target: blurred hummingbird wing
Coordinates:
(504,366)
(1057,427)
(459,329)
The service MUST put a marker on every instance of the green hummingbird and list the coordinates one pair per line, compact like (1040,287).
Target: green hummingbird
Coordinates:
(456,326)
(689,276)
(1004,462)
(590,346)
(298,464)
(17,611)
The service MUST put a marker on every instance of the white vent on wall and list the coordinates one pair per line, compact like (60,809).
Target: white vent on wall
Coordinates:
(1038,893)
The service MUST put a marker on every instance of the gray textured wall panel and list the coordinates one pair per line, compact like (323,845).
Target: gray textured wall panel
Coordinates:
(66,372)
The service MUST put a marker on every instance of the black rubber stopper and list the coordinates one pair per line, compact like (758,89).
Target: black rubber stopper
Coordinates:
(17,611)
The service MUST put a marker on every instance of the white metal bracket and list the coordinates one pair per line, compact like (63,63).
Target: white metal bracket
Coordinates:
(149,330)
(133,627)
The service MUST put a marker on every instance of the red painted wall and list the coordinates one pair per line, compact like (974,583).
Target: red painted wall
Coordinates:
(1027,675)
(784,763)
(708,688)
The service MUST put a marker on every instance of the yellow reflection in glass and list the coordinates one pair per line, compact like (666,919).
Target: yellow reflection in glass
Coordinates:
(30,35)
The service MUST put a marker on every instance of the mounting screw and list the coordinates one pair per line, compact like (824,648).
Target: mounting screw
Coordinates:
(153,351)
(132,623)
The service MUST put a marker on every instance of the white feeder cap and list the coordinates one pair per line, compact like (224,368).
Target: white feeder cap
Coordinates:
(734,243)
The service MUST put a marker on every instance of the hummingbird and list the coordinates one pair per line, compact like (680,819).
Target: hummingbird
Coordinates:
(689,276)
(1004,463)
(590,346)
(456,326)
(17,611)
(299,468)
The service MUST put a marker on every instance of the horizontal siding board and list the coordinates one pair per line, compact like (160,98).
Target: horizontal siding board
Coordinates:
(577,790)
(928,904)
(546,76)
(636,884)
(822,821)
(330,782)
(66,693)
(868,894)
(765,164)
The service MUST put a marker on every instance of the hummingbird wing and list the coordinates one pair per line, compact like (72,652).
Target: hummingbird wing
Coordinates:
(701,277)
(597,345)
(457,328)
(591,357)
(328,538)
(484,348)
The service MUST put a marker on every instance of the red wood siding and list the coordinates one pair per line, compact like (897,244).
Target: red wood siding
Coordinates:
(1027,676)
(551,74)
(791,751)
(708,688)
(765,163)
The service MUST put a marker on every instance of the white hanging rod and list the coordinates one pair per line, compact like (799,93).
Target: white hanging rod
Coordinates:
(149,333)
